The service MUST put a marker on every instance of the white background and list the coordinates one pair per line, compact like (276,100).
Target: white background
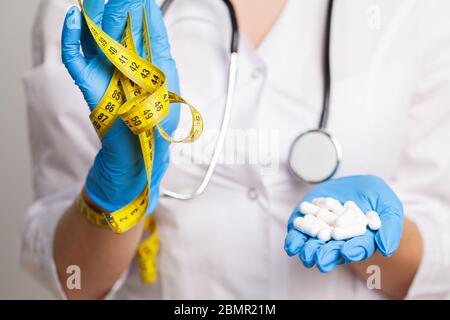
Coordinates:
(16,22)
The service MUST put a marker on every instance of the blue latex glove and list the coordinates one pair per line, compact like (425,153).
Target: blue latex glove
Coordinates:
(369,193)
(118,173)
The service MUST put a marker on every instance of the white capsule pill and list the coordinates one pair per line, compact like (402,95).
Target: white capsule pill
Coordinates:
(314,225)
(351,217)
(326,216)
(374,220)
(325,233)
(352,205)
(319,201)
(302,225)
(333,205)
(297,222)
(347,232)
(308,208)
(309,225)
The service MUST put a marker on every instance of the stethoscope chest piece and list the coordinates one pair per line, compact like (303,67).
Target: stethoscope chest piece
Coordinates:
(315,156)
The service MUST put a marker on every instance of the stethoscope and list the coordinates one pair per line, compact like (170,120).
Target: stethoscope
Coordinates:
(314,156)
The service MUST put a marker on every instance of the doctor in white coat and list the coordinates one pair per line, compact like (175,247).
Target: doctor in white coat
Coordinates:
(390,109)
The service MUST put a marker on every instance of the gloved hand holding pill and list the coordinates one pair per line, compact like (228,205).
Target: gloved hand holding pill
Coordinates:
(345,220)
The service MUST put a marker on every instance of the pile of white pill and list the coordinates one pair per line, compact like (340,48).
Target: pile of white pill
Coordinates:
(327,218)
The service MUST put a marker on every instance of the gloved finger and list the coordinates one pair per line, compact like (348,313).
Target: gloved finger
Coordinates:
(115,18)
(137,18)
(70,43)
(389,235)
(329,256)
(309,251)
(94,9)
(359,248)
(294,242)
(158,33)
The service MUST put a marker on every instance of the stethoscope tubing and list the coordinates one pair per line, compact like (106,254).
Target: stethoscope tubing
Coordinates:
(231,88)
(326,72)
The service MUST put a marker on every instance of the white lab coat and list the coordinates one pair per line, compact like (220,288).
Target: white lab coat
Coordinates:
(390,111)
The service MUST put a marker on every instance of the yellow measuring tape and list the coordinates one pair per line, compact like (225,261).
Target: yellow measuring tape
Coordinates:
(137,94)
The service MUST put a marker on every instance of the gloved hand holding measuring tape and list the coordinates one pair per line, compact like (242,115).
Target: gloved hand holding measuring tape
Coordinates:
(129,98)
(369,193)
(118,174)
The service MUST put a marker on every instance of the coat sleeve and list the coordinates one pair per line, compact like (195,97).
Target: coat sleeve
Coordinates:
(63,144)
(423,179)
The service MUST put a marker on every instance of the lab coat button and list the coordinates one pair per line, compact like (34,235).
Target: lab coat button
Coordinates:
(257,73)
(252,194)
